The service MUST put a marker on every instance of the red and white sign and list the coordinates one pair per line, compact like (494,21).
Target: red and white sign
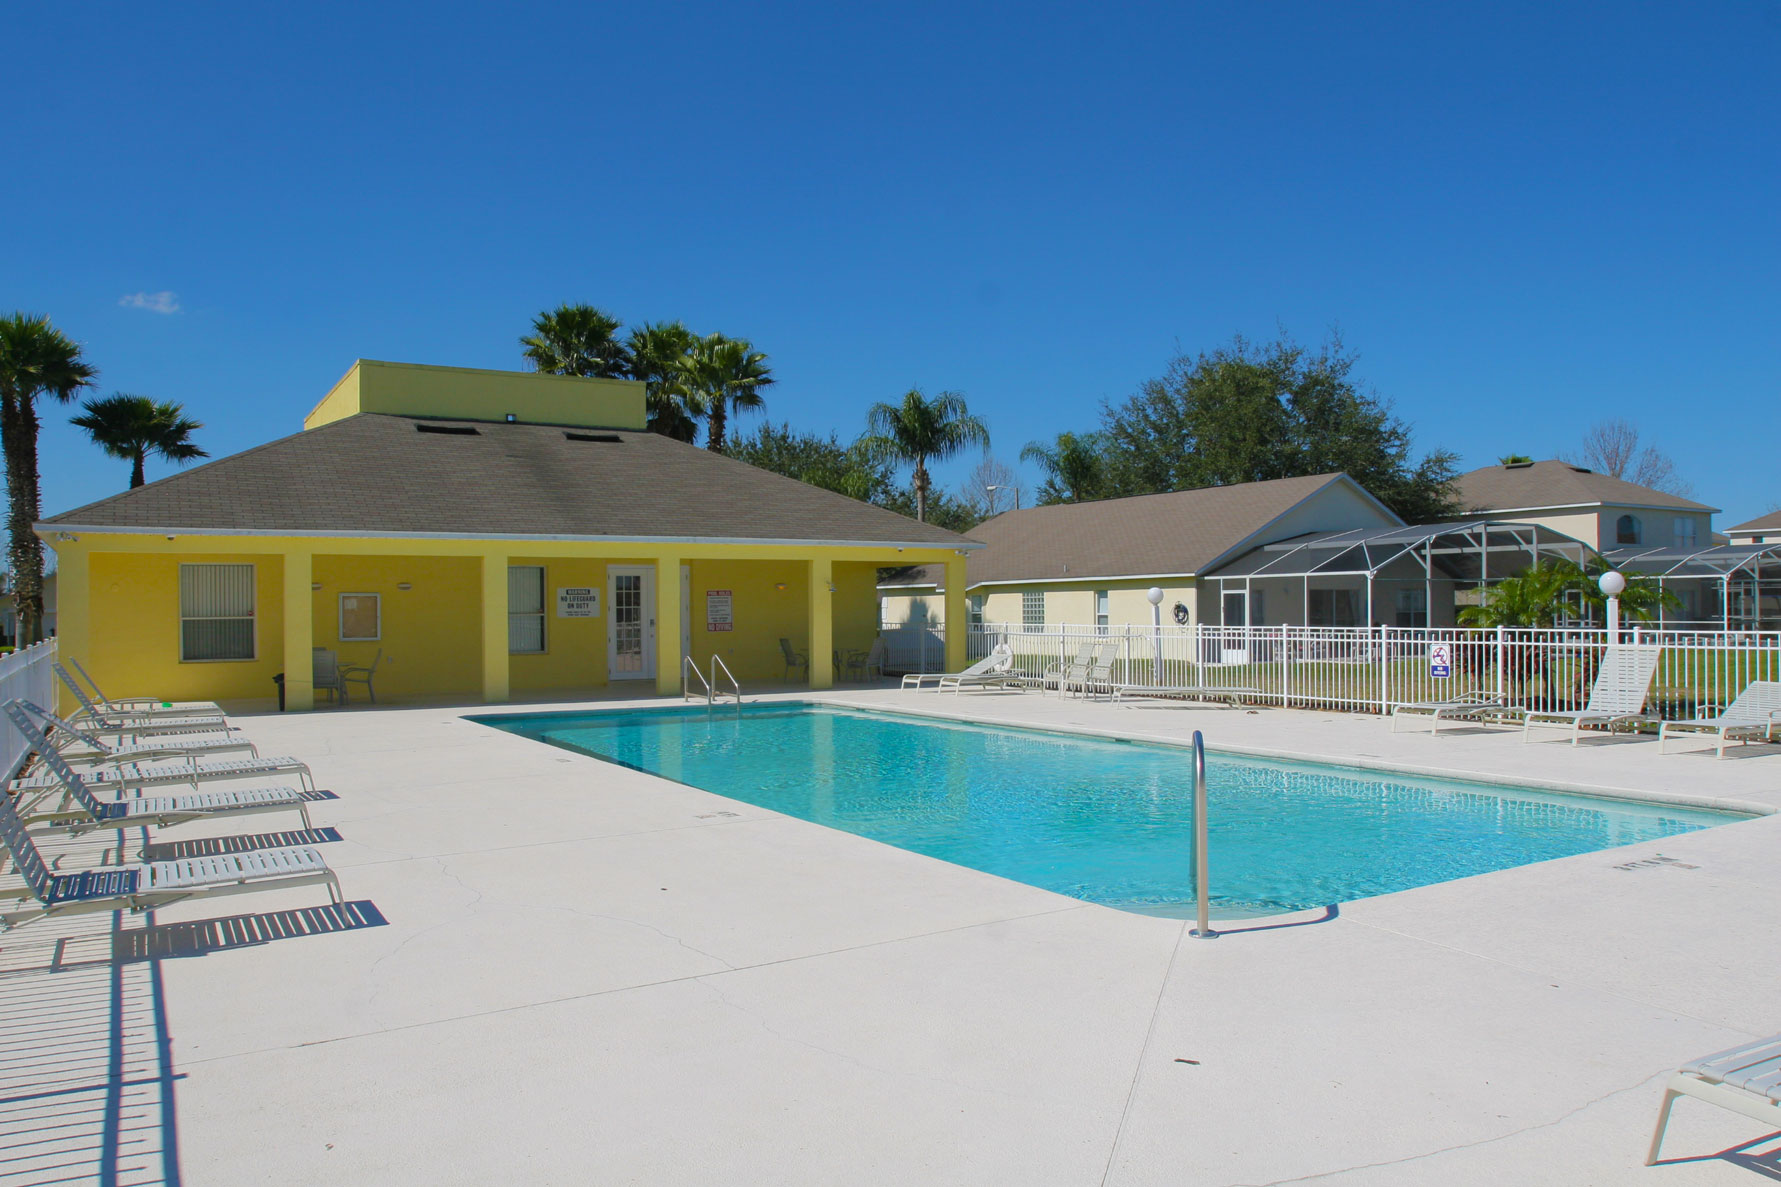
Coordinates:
(720,613)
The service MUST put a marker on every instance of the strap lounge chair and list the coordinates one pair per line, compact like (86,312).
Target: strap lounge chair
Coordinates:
(137,706)
(1472,706)
(1617,699)
(152,884)
(162,811)
(1001,656)
(1233,695)
(1001,674)
(100,720)
(79,745)
(187,772)
(1745,1079)
(1055,674)
(1753,716)
(1093,677)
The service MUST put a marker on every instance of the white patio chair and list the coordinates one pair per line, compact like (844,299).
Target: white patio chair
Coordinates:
(1753,716)
(1618,697)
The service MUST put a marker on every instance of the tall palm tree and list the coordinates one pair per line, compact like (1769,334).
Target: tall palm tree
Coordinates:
(132,427)
(1073,467)
(36,359)
(658,353)
(724,375)
(919,429)
(577,340)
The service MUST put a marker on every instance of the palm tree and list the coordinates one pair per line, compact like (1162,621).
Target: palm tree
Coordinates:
(658,352)
(577,340)
(36,359)
(132,427)
(1073,467)
(720,376)
(1537,597)
(919,429)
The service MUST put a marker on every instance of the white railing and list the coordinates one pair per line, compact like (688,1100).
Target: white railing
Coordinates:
(915,648)
(26,674)
(1371,669)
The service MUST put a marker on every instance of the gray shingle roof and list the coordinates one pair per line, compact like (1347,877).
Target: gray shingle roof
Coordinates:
(381,474)
(1181,532)
(1557,484)
(1762,523)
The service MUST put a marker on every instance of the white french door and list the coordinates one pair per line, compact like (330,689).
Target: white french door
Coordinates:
(631,623)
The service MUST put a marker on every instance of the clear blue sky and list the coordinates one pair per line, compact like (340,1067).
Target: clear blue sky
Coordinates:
(1524,218)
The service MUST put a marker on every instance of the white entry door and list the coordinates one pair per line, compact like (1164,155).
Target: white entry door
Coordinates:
(631,623)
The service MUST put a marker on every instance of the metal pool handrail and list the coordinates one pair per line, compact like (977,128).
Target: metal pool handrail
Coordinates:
(686,684)
(1202,875)
(718,665)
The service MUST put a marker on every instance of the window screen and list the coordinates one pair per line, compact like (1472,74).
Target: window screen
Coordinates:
(216,613)
(361,617)
(525,609)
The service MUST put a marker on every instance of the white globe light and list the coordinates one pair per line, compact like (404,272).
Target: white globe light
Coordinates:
(1154,596)
(1613,584)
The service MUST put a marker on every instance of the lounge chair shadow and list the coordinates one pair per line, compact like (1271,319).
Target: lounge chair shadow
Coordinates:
(200,937)
(1766,1164)
(215,846)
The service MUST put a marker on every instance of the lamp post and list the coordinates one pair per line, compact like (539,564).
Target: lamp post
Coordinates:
(1154,596)
(1613,584)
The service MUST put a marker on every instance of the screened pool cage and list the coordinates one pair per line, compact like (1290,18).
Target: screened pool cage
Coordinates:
(1416,576)
(1728,587)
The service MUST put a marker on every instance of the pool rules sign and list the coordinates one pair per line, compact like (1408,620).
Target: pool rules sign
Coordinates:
(720,614)
(1440,660)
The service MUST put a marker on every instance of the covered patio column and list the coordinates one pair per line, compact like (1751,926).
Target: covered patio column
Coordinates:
(494,629)
(73,622)
(822,623)
(958,622)
(668,626)
(299,631)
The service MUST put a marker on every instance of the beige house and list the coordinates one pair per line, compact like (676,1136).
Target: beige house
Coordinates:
(1092,563)
(1603,512)
(9,617)
(1764,529)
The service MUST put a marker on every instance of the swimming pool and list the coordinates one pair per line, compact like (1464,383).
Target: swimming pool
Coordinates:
(1107,821)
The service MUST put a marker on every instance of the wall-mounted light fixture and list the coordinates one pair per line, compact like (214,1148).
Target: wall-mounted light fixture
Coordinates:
(831,587)
(71,538)
(779,585)
(314,586)
(404,585)
(512,419)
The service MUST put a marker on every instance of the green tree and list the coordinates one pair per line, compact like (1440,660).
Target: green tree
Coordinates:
(850,470)
(36,359)
(1248,413)
(1536,597)
(941,509)
(919,429)
(132,427)
(1515,459)
(1074,465)
(577,340)
(720,376)
(659,351)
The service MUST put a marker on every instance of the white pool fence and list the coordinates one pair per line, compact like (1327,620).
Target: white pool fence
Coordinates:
(1366,669)
(25,673)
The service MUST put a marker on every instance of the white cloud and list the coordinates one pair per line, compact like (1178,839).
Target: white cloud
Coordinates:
(161,302)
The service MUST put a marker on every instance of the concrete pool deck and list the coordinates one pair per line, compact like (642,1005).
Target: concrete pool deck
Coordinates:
(556,970)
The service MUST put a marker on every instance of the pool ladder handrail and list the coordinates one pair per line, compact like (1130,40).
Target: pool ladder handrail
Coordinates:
(712,686)
(1201,872)
(686,685)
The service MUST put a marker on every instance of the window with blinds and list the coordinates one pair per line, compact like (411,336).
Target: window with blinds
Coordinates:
(216,613)
(525,609)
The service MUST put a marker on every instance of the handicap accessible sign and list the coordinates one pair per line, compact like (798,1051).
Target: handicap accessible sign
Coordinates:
(1440,660)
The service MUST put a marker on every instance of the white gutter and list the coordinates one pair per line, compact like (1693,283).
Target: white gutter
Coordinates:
(71,529)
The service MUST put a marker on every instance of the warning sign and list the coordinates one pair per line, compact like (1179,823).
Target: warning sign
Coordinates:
(719,610)
(1440,660)
(578,601)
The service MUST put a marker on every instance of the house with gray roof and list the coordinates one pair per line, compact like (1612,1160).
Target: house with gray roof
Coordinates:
(1602,511)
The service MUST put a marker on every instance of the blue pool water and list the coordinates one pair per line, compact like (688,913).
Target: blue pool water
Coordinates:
(1107,821)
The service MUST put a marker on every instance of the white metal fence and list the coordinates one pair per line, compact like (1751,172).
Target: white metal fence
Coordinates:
(1371,669)
(25,674)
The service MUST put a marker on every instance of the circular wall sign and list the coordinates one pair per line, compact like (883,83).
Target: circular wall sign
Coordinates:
(1180,614)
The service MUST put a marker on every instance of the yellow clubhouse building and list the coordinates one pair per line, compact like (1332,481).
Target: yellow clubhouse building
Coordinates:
(484,535)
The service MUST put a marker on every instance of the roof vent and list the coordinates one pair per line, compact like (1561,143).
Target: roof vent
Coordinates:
(1581,470)
(1516,465)
(449,430)
(603,438)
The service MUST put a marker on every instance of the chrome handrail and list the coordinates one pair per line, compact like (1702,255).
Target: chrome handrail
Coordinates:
(687,665)
(717,665)
(1202,874)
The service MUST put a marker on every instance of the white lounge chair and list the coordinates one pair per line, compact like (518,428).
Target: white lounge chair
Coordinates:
(1618,697)
(1093,675)
(1472,706)
(83,746)
(187,772)
(1001,674)
(1001,655)
(1753,716)
(1745,1079)
(162,811)
(1054,674)
(91,716)
(1194,692)
(135,706)
(152,884)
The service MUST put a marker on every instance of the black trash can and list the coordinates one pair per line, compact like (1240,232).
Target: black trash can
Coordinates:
(279,680)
